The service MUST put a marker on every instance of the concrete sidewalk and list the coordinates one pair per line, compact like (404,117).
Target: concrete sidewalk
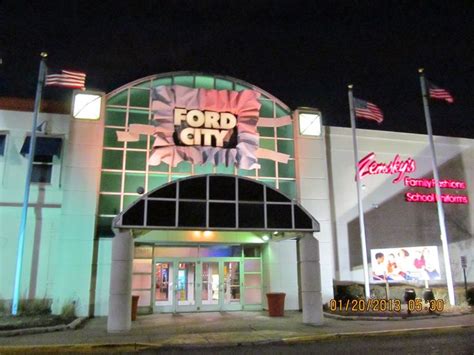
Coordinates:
(218,329)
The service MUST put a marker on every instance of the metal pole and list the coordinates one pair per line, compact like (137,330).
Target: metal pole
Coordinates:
(439,202)
(26,196)
(359,196)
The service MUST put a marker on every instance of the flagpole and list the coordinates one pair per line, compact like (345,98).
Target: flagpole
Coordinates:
(439,202)
(359,195)
(24,211)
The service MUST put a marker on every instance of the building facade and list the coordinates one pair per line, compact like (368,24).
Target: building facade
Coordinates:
(217,183)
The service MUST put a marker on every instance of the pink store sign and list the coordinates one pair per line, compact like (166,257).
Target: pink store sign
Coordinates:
(399,167)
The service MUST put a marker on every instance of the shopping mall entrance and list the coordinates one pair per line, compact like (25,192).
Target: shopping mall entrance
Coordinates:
(194,244)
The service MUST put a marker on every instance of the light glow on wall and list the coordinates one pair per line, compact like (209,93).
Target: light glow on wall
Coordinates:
(310,123)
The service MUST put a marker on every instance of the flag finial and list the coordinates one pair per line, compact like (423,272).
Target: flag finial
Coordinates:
(44,54)
(421,70)
(350,86)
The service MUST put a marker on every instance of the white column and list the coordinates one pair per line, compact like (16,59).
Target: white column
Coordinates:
(310,286)
(120,299)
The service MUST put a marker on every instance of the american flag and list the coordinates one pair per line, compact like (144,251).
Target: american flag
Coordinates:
(439,93)
(67,79)
(365,109)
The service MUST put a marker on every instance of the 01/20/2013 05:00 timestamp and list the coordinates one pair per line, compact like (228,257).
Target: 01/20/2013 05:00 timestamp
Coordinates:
(383,305)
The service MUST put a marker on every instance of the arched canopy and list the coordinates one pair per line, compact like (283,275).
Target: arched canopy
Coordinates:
(216,202)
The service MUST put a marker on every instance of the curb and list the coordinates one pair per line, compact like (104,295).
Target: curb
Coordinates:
(393,318)
(133,347)
(54,328)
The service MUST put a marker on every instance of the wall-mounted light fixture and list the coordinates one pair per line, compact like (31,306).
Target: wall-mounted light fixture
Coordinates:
(87,105)
(309,121)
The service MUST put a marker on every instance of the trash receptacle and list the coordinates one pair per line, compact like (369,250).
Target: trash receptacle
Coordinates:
(276,304)
(134,307)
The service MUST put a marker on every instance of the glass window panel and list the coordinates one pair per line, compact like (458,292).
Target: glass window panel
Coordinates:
(210,283)
(266,110)
(161,82)
(276,196)
(145,84)
(244,172)
(140,144)
(186,281)
(184,80)
(115,117)
(144,299)
(287,170)
(183,167)
(143,251)
(288,187)
(178,177)
(222,215)
(205,82)
(109,204)
(110,138)
(240,87)
(222,188)
(267,143)
(253,296)
(142,265)
(222,169)
(138,116)
(139,97)
(192,214)
(251,215)
(266,131)
(133,181)
(141,281)
(286,146)
(194,188)
(135,215)
(176,252)
(128,200)
(155,181)
(203,169)
(285,131)
(104,227)
(220,251)
(222,84)
(231,282)
(168,191)
(163,167)
(268,182)
(301,219)
(163,283)
(119,98)
(267,167)
(161,213)
(136,161)
(252,251)
(252,280)
(250,190)
(279,216)
(41,173)
(112,159)
(110,182)
(280,111)
(252,265)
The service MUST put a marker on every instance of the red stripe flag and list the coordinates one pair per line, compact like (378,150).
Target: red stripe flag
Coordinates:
(67,79)
(439,93)
(365,109)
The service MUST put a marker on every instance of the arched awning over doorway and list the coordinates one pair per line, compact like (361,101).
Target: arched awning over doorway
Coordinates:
(216,202)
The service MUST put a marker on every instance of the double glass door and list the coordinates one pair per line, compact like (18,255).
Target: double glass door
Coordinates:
(186,285)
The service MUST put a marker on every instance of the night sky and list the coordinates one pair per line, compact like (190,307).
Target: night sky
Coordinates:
(303,52)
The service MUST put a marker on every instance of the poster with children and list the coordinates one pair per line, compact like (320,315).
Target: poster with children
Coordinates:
(404,264)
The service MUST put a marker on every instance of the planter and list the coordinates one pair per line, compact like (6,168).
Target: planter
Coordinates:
(276,304)
(134,307)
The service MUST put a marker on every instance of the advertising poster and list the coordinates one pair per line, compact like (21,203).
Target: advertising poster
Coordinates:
(405,264)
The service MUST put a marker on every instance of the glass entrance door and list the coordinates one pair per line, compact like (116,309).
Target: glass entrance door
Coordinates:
(192,284)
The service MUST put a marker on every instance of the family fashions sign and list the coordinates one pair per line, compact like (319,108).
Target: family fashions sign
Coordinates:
(399,167)
(206,126)
(405,264)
